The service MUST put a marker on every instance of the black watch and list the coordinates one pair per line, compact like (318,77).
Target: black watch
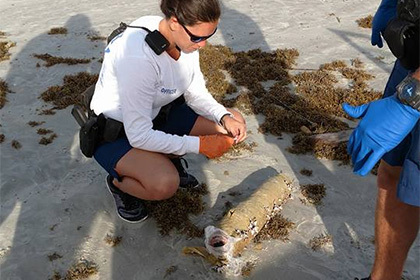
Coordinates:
(408,92)
(221,122)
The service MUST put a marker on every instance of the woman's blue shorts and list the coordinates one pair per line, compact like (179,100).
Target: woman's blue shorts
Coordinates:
(179,120)
(407,153)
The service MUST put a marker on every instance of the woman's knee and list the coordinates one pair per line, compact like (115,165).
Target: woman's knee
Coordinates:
(164,187)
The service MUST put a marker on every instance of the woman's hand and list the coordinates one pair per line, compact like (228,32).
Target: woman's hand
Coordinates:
(213,146)
(236,128)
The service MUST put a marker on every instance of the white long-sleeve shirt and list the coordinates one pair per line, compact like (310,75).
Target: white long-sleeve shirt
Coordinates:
(135,83)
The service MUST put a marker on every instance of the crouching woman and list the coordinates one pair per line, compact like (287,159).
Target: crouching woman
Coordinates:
(163,103)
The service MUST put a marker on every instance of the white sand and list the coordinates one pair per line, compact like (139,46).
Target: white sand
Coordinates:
(54,200)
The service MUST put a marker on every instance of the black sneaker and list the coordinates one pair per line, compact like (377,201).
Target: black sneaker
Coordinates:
(129,208)
(186,181)
(367,278)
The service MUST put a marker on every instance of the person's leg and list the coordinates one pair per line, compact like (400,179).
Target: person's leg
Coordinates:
(203,126)
(396,226)
(147,175)
(152,176)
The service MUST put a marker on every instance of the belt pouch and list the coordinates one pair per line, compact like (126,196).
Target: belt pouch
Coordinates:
(89,137)
(113,129)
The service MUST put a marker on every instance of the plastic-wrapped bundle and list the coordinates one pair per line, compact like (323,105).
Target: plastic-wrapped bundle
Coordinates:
(242,223)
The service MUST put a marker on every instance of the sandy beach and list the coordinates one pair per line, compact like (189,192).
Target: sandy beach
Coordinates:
(55,207)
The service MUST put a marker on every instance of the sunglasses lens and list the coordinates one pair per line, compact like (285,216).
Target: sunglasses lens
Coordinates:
(197,40)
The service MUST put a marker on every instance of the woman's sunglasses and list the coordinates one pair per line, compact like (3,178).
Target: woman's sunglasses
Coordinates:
(197,39)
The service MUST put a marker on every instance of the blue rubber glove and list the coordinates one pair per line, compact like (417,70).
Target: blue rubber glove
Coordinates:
(386,11)
(385,123)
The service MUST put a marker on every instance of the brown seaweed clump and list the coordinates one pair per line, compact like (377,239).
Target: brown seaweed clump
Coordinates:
(96,37)
(43,131)
(57,30)
(278,227)
(246,69)
(334,65)
(284,111)
(55,276)
(303,144)
(35,123)
(320,241)
(112,240)
(251,68)
(53,60)
(16,144)
(70,92)
(238,150)
(247,269)
(320,90)
(314,193)
(315,104)
(47,112)
(244,102)
(170,270)
(81,270)
(306,172)
(4,90)
(2,138)
(357,63)
(365,22)
(54,257)
(212,63)
(47,140)
(172,214)
(4,49)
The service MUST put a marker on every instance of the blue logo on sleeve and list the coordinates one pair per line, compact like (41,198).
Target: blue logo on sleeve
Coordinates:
(168,91)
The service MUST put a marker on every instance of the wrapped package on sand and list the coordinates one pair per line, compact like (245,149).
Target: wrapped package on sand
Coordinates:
(241,224)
